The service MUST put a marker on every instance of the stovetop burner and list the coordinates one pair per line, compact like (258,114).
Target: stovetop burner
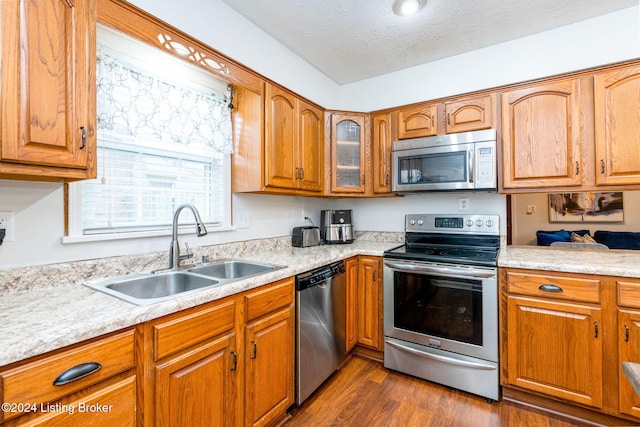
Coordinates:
(462,239)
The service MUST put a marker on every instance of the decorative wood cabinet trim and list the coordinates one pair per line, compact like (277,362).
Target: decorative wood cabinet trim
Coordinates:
(418,121)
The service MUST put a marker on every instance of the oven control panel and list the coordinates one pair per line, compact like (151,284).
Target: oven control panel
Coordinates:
(436,223)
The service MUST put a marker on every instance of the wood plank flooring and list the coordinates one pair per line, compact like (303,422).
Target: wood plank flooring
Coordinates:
(364,393)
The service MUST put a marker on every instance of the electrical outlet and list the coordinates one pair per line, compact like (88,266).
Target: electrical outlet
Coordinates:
(242,219)
(6,222)
(463,204)
(531,209)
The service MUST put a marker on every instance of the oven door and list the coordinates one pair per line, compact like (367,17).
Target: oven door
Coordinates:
(447,167)
(444,306)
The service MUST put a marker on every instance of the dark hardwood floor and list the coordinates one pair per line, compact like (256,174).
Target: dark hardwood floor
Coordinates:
(364,393)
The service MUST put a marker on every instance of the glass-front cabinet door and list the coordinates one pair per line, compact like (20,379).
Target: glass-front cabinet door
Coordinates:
(348,154)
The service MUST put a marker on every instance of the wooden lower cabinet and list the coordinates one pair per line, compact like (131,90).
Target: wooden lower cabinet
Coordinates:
(555,348)
(199,388)
(105,396)
(564,337)
(369,303)
(351,279)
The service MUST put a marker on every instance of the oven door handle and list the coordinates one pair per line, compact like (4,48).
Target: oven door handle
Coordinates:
(449,360)
(456,273)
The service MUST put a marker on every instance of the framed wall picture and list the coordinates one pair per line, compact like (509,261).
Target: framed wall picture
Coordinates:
(586,207)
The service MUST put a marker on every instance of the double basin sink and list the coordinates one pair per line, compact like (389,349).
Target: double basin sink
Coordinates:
(149,288)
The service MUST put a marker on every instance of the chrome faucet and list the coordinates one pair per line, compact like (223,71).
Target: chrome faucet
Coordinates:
(174,249)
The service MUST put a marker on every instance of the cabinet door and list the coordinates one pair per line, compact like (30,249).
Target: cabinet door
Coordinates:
(617,126)
(270,365)
(381,148)
(199,388)
(628,351)
(281,128)
(419,121)
(348,154)
(370,302)
(556,349)
(470,114)
(47,101)
(351,278)
(541,138)
(311,147)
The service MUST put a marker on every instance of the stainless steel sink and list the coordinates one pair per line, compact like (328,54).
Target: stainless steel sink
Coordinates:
(149,288)
(153,287)
(233,269)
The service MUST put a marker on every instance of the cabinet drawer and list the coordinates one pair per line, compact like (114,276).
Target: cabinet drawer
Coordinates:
(183,330)
(264,301)
(552,286)
(629,294)
(34,382)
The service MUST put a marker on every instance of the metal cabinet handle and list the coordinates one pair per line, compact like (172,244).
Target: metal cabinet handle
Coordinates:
(577,168)
(601,165)
(84,137)
(449,119)
(234,366)
(432,121)
(375,275)
(254,353)
(386,179)
(79,371)
(597,328)
(297,173)
(301,173)
(364,179)
(626,333)
(550,288)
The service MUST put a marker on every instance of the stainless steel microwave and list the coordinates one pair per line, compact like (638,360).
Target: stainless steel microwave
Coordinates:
(461,161)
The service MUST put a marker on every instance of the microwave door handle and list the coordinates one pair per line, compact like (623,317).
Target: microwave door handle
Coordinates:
(441,270)
(470,156)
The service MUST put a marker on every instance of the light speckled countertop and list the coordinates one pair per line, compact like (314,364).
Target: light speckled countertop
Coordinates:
(40,319)
(587,261)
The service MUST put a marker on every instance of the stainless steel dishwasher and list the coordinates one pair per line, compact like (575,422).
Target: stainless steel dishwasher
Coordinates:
(320,326)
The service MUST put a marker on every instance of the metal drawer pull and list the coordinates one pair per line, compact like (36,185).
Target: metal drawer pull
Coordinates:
(626,333)
(550,288)
(254,354)
(235,361)
(79,371)
(84,137)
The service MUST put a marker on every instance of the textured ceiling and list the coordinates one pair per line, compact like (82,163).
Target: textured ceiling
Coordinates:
(351,40)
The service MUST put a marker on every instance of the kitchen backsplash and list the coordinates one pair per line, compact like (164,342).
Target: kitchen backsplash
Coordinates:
(52,275)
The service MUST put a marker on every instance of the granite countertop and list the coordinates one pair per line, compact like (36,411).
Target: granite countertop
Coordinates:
(587,261)
(41,319)
(36,319)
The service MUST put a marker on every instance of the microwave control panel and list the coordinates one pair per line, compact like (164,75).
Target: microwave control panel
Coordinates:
(486,168)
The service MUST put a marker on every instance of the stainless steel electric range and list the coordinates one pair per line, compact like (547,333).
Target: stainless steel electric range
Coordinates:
(441,302)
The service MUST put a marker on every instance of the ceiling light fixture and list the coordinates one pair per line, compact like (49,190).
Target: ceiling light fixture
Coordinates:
(408,7)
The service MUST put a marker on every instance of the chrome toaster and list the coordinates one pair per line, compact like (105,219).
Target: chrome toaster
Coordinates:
(301,237)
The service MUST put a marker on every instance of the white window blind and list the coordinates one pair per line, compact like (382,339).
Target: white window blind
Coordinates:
(163,140)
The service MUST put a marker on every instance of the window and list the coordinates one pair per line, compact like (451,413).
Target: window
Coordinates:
(164,139)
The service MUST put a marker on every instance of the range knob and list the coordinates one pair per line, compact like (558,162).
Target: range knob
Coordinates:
(479,223)
(412,222)
(489,223)
(469,222)
(420,222)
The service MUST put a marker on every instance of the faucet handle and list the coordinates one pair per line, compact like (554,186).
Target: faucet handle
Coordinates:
(188,253)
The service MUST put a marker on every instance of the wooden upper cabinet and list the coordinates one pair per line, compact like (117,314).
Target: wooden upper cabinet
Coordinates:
(542,136)
(311,147)
(48,89)
(294,142)
(470,114)
(617,126)
(418,121)
(349,153)
(381,148)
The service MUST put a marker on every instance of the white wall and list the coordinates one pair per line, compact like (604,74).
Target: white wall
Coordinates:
(606,39)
